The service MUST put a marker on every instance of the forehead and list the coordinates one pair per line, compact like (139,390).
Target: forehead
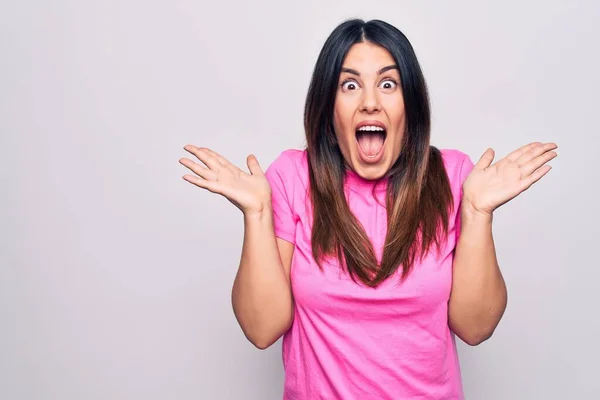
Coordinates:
(367,57)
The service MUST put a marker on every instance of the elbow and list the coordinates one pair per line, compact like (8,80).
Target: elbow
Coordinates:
(474,329)
(476,338)
(265,335)
(263,343)
(473,333)
(264,328)
(265,340)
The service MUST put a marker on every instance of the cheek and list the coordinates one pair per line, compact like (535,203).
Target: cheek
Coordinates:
(394,107)
(400,112)
(341,122)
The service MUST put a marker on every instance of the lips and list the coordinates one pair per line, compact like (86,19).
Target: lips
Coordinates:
(371,123)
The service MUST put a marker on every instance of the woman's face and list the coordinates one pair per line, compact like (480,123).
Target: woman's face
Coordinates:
(369,116)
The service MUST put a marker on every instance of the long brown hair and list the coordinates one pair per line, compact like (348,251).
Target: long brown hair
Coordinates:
(418,197)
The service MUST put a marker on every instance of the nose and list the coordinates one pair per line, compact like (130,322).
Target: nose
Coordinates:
(370,101)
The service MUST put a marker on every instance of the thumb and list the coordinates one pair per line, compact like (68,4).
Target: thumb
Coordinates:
(253,165)
(486,159)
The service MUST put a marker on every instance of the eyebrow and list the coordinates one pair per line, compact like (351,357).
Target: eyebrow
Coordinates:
(381,71)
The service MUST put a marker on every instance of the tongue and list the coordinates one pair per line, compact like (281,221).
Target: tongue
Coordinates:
(370,143)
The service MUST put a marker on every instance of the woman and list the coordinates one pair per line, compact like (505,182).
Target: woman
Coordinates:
(370,249)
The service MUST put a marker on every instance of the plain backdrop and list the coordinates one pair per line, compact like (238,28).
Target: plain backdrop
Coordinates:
(115,273)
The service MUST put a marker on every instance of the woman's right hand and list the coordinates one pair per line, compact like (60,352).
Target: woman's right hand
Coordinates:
(250,192)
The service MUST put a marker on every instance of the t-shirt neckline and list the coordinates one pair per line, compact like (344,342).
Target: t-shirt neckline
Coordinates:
(355,181)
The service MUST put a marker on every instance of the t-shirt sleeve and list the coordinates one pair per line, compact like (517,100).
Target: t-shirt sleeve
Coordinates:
(464,170)
(280,175)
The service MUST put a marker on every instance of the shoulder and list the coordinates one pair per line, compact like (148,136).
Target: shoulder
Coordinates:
(458,166)
(453,157)
(289,166)
(457,163)
(288,177)
(290,158)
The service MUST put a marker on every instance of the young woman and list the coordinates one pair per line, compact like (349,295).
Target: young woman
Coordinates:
(370,249)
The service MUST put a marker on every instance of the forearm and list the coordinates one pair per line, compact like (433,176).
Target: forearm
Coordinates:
(261,295)
(479,297)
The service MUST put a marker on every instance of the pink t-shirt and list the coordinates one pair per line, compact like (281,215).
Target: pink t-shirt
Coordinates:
(350,341)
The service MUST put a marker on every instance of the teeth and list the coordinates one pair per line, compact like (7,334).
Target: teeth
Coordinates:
(371,128)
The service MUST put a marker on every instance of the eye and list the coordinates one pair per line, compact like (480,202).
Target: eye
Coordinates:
(389,84)
(349,85)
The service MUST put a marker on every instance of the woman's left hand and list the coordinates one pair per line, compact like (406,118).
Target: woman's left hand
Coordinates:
(489,186)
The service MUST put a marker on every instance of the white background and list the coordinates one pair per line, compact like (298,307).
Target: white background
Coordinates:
(115,274)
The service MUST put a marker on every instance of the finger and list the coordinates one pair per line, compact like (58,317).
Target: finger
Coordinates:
(486,159)
(211,186)
(203,154)
(535,176)
(535,152)
(254,166)
(513,156)
(198,169)
(537,162)
(222,160)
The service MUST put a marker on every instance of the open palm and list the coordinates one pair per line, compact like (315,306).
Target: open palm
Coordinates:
(489,186)
(250,192)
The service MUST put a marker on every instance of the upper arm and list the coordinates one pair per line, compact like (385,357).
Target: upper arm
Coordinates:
(286,251)
(282,176)
(457,180)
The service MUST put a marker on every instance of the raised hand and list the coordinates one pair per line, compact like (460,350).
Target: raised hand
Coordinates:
(489,186)
(250,192)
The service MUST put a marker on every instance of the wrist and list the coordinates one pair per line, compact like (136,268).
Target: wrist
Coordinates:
(471,214)
(259,213)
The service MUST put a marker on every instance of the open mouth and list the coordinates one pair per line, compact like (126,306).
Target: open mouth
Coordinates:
(370,139)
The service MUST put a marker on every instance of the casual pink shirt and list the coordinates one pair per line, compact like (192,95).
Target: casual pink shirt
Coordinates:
(349,341)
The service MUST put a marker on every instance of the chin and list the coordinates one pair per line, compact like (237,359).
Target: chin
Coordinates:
(371,172)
